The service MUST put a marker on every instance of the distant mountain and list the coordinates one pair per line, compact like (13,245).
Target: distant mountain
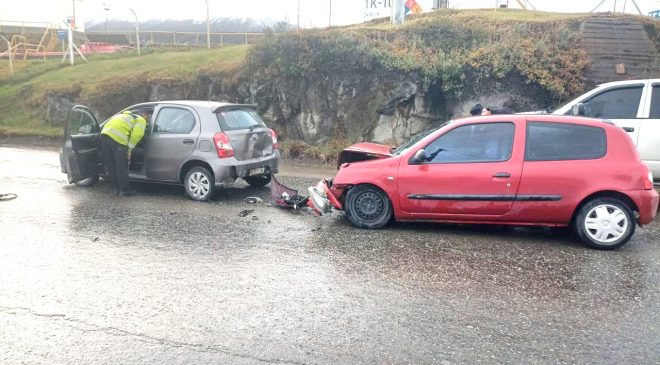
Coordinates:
(218,25)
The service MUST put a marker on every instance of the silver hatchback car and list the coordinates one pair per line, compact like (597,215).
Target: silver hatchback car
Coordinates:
(202,145)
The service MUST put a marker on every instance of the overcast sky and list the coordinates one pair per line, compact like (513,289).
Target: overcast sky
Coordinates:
(312,12)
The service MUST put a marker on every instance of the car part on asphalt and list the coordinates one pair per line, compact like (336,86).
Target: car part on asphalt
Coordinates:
(286,197)
(245,213)
(252,200)
(7,197)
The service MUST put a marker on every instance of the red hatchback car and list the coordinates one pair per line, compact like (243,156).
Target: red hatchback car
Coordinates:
(506,169)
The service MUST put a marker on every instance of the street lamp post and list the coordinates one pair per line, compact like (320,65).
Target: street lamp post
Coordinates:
(137,31)
(208,26)
(73,17)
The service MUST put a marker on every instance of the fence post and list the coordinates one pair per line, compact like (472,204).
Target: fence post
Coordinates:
(11,64)
(174,39)
(220,39)
(246,38)
(151,34)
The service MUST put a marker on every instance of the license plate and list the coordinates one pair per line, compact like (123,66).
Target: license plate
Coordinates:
(259,171)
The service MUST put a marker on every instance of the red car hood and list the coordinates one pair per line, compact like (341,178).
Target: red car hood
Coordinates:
(364,151)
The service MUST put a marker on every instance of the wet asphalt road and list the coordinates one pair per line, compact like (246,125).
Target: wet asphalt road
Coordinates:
(90,278)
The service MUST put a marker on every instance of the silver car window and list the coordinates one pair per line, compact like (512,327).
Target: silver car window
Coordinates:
(174,120)
(234,119)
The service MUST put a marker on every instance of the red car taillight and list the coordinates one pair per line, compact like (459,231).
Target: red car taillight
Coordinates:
(648,182)
(222,145)
(273,135)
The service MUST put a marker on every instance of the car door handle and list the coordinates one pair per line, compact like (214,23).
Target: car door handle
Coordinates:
(502,175)
(629,129)
(188,141)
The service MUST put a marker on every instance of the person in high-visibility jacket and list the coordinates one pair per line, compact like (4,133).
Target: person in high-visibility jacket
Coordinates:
(119,136)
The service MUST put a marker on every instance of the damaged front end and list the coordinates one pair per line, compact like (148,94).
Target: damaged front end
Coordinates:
(326,194)
(323,197)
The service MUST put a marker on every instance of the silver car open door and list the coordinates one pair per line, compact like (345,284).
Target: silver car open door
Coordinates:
(80,156)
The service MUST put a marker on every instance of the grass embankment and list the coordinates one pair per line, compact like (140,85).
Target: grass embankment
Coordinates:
(27,90)
(460,52)
(464,53)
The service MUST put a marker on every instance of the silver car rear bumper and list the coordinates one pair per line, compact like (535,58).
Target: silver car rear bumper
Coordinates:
(227,170)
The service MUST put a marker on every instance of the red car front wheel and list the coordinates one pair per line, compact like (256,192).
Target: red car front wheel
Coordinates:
(367,206)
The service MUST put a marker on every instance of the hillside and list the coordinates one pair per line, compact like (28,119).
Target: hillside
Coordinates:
(371,81)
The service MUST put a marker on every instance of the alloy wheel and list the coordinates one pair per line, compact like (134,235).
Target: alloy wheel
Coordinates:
(199,185)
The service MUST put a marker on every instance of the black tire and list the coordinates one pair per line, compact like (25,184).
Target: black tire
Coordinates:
(601,217)
(88,182)
(367,206)
(258,181)
(199,183)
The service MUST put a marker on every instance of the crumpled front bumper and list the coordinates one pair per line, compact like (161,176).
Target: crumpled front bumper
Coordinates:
(322,199)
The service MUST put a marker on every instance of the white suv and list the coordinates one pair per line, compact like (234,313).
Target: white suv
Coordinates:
(633,105)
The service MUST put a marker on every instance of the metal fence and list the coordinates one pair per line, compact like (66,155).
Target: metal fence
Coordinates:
(185,39)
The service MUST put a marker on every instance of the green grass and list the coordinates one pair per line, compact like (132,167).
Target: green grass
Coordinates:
(479,15)
(132,67)
(23,96)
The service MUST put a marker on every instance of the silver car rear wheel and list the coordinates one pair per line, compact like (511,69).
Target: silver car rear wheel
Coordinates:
(199,184)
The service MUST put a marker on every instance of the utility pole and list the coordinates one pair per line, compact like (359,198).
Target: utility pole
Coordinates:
(398,12)
(72,46)
(106,8)
(298,14)
(73,5)
(137,31)
(208,26)
(330,15)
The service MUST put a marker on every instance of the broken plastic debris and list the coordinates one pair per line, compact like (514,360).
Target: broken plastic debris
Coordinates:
(245,212)
(286,197)
(252,200)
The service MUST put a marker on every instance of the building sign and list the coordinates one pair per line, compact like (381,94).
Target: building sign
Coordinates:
(377,9)
(383,8)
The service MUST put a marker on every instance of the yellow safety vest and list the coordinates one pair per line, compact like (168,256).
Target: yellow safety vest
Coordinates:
(126,129)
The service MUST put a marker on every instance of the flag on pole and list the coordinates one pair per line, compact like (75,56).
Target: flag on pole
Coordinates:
(413,7)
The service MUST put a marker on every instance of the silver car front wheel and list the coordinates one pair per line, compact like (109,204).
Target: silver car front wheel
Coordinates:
(199,183)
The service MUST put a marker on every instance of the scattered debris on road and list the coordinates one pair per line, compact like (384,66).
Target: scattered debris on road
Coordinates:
(253,200)
(286,197)
(6,197)
(245,213)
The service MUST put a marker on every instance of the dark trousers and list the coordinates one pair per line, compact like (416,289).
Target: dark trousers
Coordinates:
(115,157)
